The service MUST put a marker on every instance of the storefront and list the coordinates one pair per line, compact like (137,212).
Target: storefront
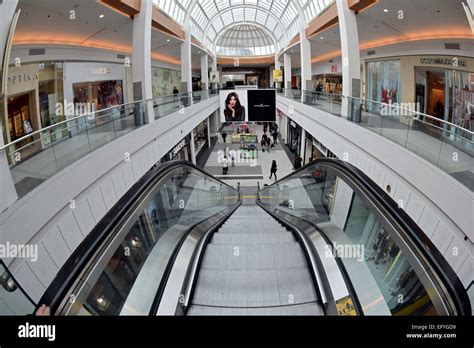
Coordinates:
(330,83)
(180,152)
(33,91)
(95,85)
(294,137)
(442,85)
(315,149)
(200,137)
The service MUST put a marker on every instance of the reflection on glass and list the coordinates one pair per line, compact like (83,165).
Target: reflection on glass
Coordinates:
(184,199)
(385,281)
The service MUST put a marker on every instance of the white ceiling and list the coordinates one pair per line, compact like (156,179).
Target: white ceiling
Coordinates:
(49,20)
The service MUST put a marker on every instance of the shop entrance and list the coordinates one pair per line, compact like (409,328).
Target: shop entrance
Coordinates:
(435,93)
(21,121)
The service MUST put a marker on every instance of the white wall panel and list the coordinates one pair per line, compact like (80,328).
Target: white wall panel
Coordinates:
(70,230)
(56,247)
(97,205)
(414,208)
(442,237)
(84,217)
(29,281)
(44,268)
(108,193)
(456,254)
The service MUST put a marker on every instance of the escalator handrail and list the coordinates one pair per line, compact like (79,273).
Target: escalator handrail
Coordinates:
(423,243)
(80,257)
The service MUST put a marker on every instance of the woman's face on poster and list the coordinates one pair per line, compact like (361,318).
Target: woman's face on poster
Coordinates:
(232,102)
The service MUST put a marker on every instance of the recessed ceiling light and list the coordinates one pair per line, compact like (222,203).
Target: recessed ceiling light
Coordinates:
(101,16)
(168,40)
(321,37)
(385,10)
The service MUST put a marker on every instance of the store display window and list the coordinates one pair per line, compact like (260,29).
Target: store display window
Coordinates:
(384,81)
(100,94)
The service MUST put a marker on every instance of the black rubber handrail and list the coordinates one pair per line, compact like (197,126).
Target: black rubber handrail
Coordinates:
(79,259)
(435,259)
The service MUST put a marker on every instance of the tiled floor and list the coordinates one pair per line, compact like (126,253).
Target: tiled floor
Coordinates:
(260,166)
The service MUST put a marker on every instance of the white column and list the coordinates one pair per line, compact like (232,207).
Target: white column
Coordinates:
(204,72)
(193,148)
(305,48)
(141,61)
(220,75)
(287,64)
(350,54)
(214,68)
(186,63)
(8,193)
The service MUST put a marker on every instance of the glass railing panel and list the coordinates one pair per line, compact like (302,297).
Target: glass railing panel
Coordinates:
(445,145)
(32,161)
(386,277)
(127,274)
(13,300)
(129,117)
(73,147)
(100,129)
(40,155)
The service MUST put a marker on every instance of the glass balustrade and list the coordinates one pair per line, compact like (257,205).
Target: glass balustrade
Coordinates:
(443,144)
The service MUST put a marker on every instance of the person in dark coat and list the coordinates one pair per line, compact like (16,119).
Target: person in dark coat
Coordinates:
(297,164)
(273,170)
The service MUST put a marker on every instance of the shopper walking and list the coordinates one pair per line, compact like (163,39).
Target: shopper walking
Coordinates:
(225,166)
(273,170)
(275,136)
(297,163)
(224,136)
(268,144)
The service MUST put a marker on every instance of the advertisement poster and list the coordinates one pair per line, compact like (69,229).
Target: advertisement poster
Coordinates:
(233,105)
(261,105)
(278,75)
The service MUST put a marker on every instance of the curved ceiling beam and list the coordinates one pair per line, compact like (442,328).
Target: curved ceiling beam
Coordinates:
(225,29)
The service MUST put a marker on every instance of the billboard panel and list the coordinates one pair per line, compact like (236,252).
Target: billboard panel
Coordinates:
(233,105)
(261,105)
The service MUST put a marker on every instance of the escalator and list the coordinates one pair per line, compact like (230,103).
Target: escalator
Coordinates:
(324,240)
(254,266)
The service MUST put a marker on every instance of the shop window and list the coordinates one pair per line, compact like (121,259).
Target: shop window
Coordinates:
(384,82)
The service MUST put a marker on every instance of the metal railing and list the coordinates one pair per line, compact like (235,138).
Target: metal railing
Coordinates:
(41,154)
(448,146)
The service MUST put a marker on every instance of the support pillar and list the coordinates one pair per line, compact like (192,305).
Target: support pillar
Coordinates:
(186,64)
(287,64)
(141,59)
(350,59)
(204,72)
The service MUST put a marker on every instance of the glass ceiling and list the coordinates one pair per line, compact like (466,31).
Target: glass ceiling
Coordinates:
(210,18)
(245,40)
